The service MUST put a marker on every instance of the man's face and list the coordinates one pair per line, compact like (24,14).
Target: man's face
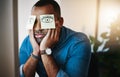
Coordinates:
(39,33)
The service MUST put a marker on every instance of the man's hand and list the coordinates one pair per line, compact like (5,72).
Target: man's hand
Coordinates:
(35,45)
(50,39)
(31,64)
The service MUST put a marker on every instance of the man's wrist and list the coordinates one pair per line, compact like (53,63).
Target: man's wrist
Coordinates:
(35,56)
(37,53)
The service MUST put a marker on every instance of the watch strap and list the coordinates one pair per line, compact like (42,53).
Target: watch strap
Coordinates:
(46,52)
(42,52)
(35,57)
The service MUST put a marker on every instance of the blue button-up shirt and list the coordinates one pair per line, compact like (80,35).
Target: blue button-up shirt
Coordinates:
(72,54)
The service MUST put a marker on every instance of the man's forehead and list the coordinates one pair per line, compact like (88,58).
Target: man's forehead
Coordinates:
(43,9)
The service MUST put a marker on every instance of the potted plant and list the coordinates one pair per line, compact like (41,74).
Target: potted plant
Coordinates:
(109,57)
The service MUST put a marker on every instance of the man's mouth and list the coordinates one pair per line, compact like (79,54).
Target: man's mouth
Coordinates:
(39,35)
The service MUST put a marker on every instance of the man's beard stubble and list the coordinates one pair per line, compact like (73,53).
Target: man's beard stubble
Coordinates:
(38,40)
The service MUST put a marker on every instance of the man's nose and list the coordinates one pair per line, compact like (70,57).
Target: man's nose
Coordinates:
(38,26)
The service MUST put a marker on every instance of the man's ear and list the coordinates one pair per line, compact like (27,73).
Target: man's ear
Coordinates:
(61,21)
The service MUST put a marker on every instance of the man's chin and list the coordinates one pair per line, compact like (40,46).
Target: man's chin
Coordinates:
(38,40)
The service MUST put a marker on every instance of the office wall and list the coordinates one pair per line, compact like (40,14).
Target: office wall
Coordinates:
(8,39)
(24,9)
(79,15)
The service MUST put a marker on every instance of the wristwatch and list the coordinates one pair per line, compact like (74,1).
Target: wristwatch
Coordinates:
(48,51)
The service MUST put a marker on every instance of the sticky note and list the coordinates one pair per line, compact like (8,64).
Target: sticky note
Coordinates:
(31,21)
(47,21)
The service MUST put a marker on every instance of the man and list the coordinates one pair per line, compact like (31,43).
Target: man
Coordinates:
(70,50)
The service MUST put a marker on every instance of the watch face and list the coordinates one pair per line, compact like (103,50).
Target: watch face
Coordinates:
(48,51)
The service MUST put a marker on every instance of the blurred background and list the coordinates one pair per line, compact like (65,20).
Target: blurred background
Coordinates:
(98,19)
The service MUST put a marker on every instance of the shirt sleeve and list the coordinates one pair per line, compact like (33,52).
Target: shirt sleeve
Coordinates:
(21,71)
(78,61)
(24,54)
(22,58)
(61,73)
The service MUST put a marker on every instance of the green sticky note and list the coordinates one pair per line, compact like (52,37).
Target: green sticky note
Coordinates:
(31,21)
(47,21)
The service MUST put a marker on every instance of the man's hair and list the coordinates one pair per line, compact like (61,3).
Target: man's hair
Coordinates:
(47,2)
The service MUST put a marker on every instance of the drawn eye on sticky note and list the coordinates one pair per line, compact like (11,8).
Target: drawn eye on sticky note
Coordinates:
(47,21)
(31,21)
